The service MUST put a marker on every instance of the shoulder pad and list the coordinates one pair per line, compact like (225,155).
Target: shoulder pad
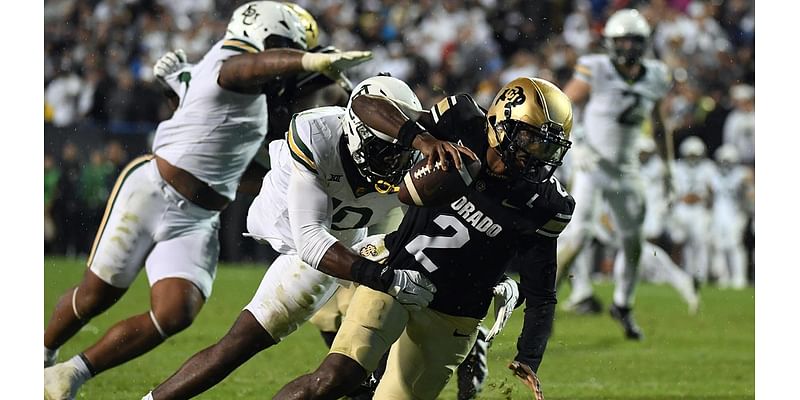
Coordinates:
(239,45)
(456,116)
(297,137)
(587,66)
(549,206)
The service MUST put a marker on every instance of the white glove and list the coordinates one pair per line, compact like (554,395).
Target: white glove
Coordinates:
(506,294)
(169,63)
(584,158)
(411,289)
(331,64)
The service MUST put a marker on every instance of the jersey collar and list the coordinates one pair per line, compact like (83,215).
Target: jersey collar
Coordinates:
(630,81)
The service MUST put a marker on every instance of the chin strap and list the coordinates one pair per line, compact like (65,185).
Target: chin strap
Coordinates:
(384,187)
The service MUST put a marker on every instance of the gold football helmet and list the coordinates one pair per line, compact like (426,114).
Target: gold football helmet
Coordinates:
(530,121)
(309,23)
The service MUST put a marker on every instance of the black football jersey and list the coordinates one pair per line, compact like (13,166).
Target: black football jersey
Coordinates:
(464,247)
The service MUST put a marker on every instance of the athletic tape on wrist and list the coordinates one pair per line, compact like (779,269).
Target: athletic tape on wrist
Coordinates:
(408,131)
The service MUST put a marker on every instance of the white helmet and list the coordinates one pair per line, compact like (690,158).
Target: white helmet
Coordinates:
(309,24)
(692,146)
(726,154)
(378,156)
(626,23)
(267,24)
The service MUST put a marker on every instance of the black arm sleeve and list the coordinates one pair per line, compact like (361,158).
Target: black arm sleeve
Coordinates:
(537,269)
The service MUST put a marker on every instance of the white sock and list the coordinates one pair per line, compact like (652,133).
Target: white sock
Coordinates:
(148,396)
(50,356)
(83,373)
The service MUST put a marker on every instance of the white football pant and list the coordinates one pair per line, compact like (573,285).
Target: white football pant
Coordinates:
(623,191)
(147,223)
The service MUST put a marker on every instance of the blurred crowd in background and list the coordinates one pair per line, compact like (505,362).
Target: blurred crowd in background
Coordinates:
(102,103)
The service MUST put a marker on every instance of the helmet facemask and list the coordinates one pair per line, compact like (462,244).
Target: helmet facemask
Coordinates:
(532,152)
(379,161)
(627,50)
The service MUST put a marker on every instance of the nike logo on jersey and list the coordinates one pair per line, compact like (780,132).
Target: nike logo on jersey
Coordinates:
(505,203)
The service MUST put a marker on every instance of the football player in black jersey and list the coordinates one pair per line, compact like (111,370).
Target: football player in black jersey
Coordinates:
(513,212)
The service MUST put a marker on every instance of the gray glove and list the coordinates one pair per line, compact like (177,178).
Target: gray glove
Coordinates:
(411,289)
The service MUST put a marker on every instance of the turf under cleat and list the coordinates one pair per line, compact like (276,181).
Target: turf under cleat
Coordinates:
(587,306)
(625,317)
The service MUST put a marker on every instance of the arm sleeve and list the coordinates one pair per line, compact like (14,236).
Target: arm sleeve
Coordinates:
(309,215)
(537,267)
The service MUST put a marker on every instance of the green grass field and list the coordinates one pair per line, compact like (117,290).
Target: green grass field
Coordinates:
(708,356)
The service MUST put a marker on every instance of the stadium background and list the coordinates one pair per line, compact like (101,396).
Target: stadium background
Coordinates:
(102,106)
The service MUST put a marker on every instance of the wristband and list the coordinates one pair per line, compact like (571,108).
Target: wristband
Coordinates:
(314,62)
(408,131)
(371,274)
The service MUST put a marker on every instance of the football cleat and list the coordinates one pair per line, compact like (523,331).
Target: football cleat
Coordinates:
(587,306)
(366,390)
(625,317)
(474,370)
(61,382)
(528,377)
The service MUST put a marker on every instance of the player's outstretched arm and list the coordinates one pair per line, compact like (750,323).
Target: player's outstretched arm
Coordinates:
(309,207)
(410,288)
(246,73)
(537,286)
(401,122)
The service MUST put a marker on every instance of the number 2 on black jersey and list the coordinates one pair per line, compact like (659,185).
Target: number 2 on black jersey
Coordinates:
(422,242)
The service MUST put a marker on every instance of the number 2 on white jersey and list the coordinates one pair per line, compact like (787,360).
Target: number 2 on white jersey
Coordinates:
(422,242)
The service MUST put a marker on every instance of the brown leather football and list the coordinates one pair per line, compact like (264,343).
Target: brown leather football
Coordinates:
(431,187)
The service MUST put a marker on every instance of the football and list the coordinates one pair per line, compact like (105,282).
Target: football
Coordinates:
(424,186)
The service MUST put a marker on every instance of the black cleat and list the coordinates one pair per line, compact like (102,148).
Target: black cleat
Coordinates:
(588,306)
(474,369)
(367,389)
(625,317)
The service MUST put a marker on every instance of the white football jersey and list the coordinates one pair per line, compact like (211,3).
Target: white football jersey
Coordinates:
(314,143)
(653,173)
(215,132)
(617,107)
(694,178)
(729,186)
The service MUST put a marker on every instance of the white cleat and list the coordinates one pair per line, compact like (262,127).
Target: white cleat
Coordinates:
(61,382)
(694,305)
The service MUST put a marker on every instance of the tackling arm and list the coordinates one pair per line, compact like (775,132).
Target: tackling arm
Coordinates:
(246,73)
(403,122)
(309,217)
